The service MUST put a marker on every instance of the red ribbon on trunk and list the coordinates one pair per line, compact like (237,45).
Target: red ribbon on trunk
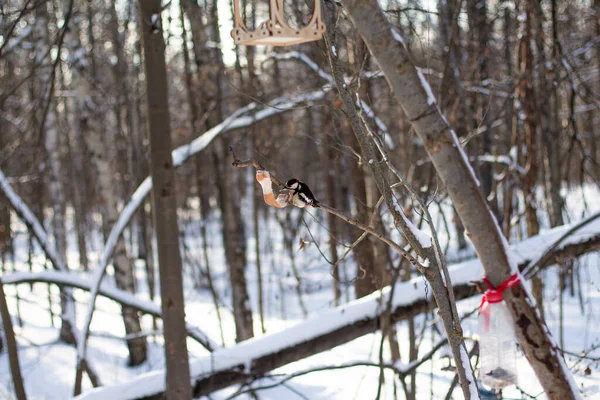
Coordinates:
(494,295)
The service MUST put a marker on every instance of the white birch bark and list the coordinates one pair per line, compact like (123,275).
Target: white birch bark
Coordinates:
(52,148)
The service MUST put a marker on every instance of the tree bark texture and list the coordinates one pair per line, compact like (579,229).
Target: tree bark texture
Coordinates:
(164,202)
(235,246)
(527,97)
(76,146)
(443,148)
(478,27)
(99,151)
(11,345)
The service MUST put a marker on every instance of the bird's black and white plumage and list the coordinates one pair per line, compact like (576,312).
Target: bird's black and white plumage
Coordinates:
(301,194)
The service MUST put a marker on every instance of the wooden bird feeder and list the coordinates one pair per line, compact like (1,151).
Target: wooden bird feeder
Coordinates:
(275,31)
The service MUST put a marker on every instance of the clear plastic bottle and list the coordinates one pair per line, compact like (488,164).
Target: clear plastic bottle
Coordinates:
(497,345)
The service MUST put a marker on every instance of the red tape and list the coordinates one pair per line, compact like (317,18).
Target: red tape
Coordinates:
(494,295)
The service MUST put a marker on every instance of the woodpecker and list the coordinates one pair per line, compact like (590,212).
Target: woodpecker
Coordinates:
(301,194)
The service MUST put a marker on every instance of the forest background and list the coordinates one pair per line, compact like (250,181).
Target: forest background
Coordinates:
(516,80)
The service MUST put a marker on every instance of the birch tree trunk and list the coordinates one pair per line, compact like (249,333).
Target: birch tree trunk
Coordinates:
(98,152)
(100,148)
(443,148)
(51,137)
(78,62)
(164,202)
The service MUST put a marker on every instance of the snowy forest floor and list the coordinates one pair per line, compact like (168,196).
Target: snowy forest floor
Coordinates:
(48,367)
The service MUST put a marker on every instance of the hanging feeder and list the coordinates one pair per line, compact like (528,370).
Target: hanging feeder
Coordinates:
(275,31)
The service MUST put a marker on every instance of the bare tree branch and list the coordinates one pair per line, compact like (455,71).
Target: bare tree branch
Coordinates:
(351,221)
(71,279)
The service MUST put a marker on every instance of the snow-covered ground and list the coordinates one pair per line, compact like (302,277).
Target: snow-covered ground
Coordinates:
(48,367)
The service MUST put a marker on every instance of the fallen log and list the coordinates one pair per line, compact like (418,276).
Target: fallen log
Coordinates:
(254,358)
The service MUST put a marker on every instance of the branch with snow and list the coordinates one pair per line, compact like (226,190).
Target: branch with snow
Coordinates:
(74,280)
(29,218)
(35,227)
(331,328)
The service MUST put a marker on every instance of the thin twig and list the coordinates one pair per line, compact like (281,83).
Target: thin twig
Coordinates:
(252,162)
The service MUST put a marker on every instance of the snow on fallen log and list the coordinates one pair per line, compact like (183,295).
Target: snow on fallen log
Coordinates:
(77,281)
(337,326)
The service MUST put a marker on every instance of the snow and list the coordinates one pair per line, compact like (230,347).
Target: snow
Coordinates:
(505,159)
(397,36)
(325,321)
(424,239)
(463,154)
(30,219)
(427,87)
(82,282)
(464,358)
(227,358)
(110,360)
(54,365)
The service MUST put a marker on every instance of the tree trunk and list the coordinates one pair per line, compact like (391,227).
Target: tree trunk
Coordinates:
(478,27)
(527,96)
(100,148)
(452,95)
(54,173)
(75,145)
(234,239)
(368,277)
(443,148)
(11,345)
(164,202)
(441,288)
(235,245)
